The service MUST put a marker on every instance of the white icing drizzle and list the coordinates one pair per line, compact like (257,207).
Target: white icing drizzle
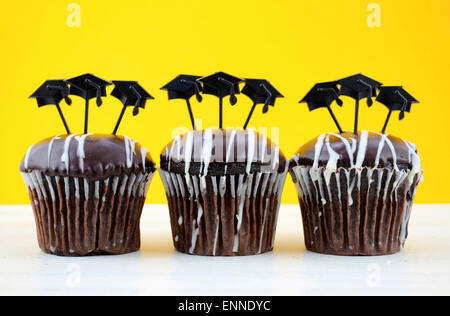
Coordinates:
(123,185)
(350,149)
(76,181)
(230,146)
(86,189)
(129,150)
(318,150)
(189,184)
(27,157)
(240,195)
(66,187)
(263,148)
(65,156)
(276,158)
(81,151)
(250,149)
(332,161)
(263,226)
(207,150)
(131,181)
(362,148)
(144,153)
(40,182)
(195,231)
(222,185)
(391,148)
(216,235)
(50,146)
(380,149)
(115,183)
(414,159)
(188,151)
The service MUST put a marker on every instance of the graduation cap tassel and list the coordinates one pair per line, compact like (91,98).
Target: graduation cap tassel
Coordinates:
(249,115)
(138,100)
(383,131)
(233,99)
(191,115)
(197,90)
(405,102)
(99,91)
(64,93)
(369,98)
(269,96)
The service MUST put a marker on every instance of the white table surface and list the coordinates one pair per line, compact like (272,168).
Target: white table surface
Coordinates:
(422,267)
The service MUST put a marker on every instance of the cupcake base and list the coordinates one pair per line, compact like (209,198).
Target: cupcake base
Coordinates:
(76,217)
(355,212)
(232,215)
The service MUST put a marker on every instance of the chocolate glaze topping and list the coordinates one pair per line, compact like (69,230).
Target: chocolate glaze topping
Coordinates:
(91,156)
(222,151)
(367,149)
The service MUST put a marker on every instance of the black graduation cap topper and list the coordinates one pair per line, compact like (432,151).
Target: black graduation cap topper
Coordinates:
(88,86)
(322,95)
(221,84)
(184,87)
(51,92)
(130,93)
(260,91)
(395,98)
(359,87)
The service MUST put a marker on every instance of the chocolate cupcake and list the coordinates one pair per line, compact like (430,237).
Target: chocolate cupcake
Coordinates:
(87,193)
(223,189)
(88,190)
(356,190)
(223,185)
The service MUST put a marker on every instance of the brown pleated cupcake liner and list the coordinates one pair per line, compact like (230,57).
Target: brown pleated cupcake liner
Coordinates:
(231,215)
(76,217)
(355,211)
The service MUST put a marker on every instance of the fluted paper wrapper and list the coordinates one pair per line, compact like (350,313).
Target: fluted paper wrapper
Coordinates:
(232,215)
(355,211)
(75,217)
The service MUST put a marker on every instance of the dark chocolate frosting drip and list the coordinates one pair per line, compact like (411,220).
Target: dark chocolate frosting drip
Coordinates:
(91,156)
(367,149)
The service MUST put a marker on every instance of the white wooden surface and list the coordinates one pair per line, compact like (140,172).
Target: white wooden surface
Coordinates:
(423,267)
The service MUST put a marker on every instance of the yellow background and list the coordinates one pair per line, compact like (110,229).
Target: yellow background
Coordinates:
(292,43)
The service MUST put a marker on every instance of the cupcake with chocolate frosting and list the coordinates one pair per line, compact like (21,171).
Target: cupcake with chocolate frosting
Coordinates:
(87,190)
(356,189)
(356,192)
(87,193)
(223,188)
